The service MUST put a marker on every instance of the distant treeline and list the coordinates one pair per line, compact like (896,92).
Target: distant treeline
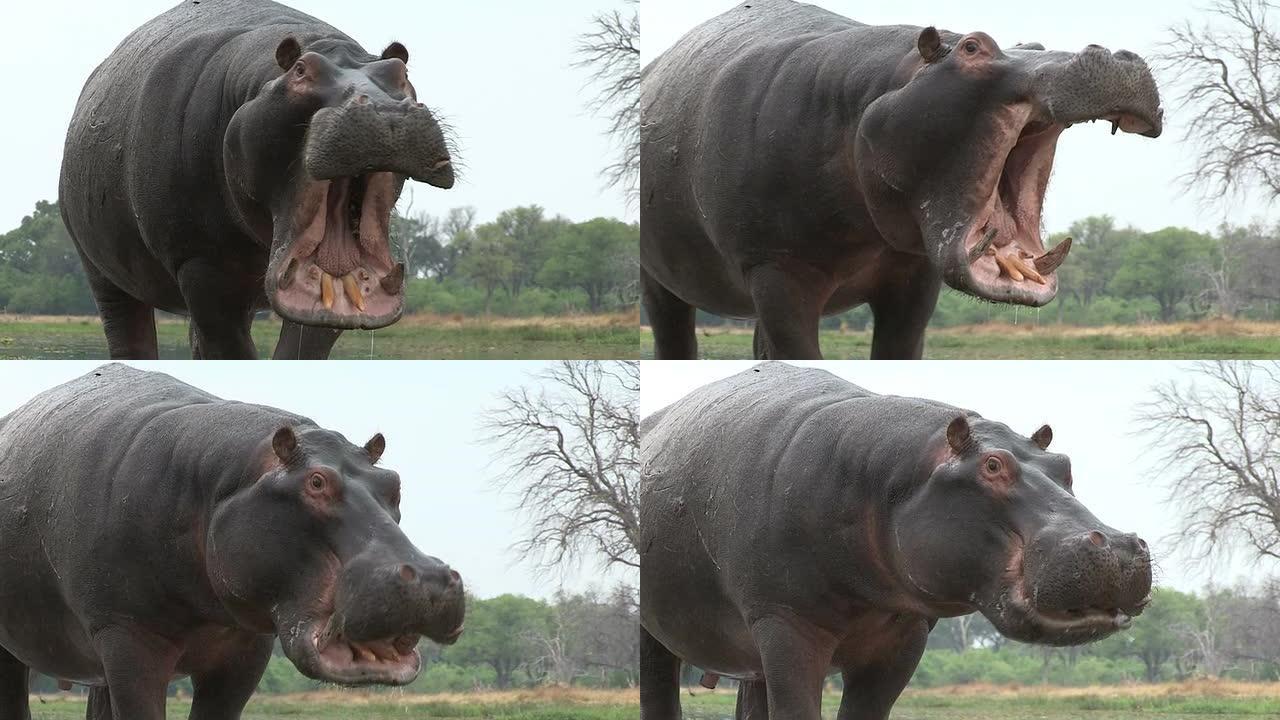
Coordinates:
(586,640)
(1123,276)
(523,263)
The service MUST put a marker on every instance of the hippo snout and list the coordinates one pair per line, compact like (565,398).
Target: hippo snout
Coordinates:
(396,597)
(1097,84)
(1099,570)
(369,134)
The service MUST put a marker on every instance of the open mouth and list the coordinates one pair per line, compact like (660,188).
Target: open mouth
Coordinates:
(394,660)
(1002,256)
(337,270)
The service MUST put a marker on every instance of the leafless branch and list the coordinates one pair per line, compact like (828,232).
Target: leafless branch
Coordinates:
(571,457)
(611,52)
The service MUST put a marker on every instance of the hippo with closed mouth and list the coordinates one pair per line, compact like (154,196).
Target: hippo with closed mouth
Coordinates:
(794,524)
(795,163)
(235,155)
(152,531)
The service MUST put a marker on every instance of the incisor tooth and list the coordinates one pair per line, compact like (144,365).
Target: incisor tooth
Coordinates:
(353,291)
(1008,268)
(326,290)
(1026,270)
(362,654)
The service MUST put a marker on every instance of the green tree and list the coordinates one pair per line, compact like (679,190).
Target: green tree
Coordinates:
(40,270)
(500,633)
(1160,634)
(488,261)
(1164,266)
(600,256)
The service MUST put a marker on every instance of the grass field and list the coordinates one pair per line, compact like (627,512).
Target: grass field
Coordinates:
(1181,701)
(1171,701)
(414,337)
(545,704)
(1000,341)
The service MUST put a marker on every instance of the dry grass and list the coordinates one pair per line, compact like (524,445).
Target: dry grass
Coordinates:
(610,320)
(1201,688)
(534,696)
(1200,328)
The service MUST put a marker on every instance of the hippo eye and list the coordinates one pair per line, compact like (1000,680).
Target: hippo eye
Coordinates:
(971,46)
(993,464)
(316,482)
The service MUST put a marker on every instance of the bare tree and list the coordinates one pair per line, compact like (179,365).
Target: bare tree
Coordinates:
(572,450)
(1219,440)
(1229,73)
(611,51)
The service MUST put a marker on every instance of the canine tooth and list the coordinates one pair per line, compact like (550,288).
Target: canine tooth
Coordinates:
(982,245)
(326,636)
(1008,268)
(286,278)
(1048,262)
(1026,271)
(1115,125)
(326,290)
(353,291)
(362,654)
(394,281)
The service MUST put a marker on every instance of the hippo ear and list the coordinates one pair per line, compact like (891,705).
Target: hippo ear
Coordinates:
(288,52)
(285,443)
(930,45)
(959,436)
(1042,437)
(375,446)
(396,50)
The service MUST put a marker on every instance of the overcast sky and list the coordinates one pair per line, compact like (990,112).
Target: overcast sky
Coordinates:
(499,72)
(1127,176)
(1090,405)
(430,414)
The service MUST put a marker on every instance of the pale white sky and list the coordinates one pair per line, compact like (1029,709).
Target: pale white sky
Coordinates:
(498,71)
(1091,406)
(430,414)
(1129,177)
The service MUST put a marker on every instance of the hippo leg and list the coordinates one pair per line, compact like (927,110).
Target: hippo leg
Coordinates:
(901,315)
(13,688)
(753,701)
(99,705)
(869,693)
(305,342)
(672,320)
(219,313)
(788,304)
(138,666)
(796,657)
(222,692)
(128,323)
(659,680)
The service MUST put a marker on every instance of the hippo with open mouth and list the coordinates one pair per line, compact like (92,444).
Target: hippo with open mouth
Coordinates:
(235,155)
(151,531)
(794,524)
(795,163)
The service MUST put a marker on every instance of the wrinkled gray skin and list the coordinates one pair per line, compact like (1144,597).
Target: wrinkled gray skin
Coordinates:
(232,156)
(794,524)
(795,163)
(152,531)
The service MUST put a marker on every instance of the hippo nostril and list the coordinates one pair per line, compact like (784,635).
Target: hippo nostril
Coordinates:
(1098,539)
(362,100)
(1094,46)
(407,573)
(1125,55)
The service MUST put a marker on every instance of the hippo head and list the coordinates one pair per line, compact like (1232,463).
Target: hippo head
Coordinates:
(957,158)
(309,547)
(996,528)
(316,162)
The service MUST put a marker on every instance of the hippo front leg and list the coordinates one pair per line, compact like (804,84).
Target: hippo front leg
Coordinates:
(796,657)
(305,342)
(221,693)
(138,666)
(788,300)
(659,680)
(869,693)
(753,701)
(13,688)
(902,312)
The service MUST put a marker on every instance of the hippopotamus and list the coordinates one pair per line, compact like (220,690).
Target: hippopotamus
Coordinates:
(235,155)
(795,163)
(152,531)
(794,524)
